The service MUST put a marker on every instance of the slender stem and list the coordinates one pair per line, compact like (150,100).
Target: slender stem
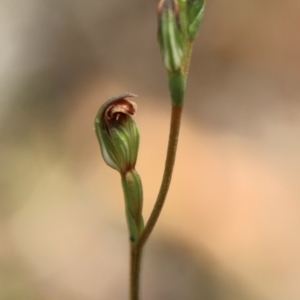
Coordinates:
(137,249)
(170,159)
(135,267)
(169,165)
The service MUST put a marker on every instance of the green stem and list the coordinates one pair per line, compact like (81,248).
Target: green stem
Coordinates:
(170,159)
(137,249)
(135,267)
(169,166)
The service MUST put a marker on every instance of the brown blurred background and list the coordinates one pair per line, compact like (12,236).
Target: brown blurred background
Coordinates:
(231,225)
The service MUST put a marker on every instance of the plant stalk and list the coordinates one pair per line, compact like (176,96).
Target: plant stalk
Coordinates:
(170,159)
(137,249)
(135,267)
(169,166)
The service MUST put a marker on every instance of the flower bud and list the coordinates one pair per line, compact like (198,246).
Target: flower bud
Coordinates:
(117,133)
(170,34)
(195,12)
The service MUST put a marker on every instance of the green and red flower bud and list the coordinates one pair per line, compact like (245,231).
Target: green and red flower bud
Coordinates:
(119,138)
(117,133)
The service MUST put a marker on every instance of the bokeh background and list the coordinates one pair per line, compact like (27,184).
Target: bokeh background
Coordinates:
(230,228)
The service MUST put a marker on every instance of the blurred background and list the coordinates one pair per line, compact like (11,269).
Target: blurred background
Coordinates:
(230,228)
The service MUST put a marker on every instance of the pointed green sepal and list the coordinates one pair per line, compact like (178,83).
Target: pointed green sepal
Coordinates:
(117,133)
(195,13)
(170,34)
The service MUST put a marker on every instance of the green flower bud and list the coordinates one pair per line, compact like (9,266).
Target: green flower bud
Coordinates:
(195,13)
(170,34)
(117,133)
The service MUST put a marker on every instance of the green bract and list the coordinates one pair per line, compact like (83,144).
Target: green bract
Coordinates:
(170,34)
(195,12)
(133,194)
(117,133)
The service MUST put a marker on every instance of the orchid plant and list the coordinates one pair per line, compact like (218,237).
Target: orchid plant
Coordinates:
(118,136)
